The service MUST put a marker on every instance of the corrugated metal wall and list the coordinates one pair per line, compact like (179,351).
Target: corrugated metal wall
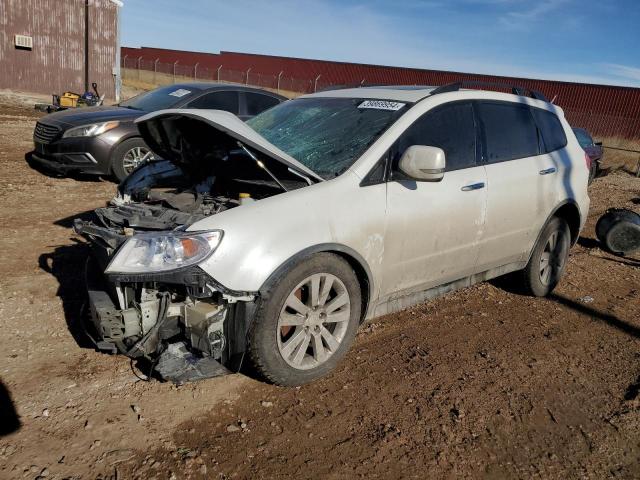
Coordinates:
(56,62)
(604,110)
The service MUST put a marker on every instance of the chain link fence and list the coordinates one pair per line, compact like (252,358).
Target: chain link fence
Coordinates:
(159,73)
(154,72)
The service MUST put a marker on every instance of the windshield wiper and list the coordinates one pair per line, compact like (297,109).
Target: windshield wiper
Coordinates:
(262,165)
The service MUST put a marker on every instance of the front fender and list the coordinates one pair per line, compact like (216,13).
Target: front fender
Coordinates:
(261,238)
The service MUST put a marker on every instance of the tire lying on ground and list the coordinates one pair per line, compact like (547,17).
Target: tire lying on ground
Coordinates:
(619,231)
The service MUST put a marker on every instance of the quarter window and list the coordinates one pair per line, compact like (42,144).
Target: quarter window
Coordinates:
(509,132)
(553,135)
(227,101)
(451,128)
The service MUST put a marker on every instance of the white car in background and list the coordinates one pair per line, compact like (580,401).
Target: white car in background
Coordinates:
(277,238)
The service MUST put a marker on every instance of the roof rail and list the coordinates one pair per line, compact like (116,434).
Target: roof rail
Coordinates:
(516,90)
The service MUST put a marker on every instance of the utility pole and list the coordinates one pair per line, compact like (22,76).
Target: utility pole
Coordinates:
(86,45)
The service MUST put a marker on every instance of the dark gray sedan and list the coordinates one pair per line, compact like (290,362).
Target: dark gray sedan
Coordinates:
(105,141)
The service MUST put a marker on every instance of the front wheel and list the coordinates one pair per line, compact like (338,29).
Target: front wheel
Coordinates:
(127,156)
(307,321)
(548,259)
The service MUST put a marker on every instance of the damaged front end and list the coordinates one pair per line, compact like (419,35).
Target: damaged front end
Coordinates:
(148,296)
(185,324)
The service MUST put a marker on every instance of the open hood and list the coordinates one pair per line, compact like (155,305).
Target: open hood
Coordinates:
(159,131)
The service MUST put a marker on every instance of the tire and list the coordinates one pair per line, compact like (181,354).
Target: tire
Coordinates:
(124,156)
(593,171)
(537,280)
(285,346)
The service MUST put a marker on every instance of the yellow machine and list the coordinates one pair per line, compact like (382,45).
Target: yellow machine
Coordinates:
(72,100)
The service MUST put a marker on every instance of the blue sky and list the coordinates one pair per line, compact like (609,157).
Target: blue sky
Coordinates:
(573,40)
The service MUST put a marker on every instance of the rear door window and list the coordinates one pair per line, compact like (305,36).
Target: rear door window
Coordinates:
(227,101)
(450,127)
(258,103)
(509,131)
(553,135)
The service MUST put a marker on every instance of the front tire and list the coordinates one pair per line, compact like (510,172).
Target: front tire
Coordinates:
(127,156)
(306,322)
(548,259)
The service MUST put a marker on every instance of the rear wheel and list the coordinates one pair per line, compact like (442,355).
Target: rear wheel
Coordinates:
(548,259)
(593,171)
(307,322)
(127,156)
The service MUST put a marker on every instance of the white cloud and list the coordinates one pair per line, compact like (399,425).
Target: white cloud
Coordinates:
(623,71)
(522,19)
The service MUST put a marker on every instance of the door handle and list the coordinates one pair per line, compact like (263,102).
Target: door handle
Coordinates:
(473,186)
(547,171)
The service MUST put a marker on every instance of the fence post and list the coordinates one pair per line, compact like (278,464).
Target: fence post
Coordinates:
(174,70)
(195,71)
(155,69)
(279,76)
(219,72)
(315,83)
(139,60)
(247,79)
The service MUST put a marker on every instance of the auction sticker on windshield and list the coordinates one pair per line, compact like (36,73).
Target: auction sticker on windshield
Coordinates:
(381,105)
(181,92)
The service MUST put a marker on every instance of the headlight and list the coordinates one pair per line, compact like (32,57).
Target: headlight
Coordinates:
(90,130)
(150,252)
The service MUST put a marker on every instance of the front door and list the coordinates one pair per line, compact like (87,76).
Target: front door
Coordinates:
(433,229)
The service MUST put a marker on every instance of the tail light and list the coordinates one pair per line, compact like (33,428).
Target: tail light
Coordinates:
(587,160)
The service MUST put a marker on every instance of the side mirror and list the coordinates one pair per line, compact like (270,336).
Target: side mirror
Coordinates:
(423,163)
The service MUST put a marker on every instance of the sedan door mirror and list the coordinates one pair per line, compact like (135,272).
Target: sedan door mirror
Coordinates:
(423,163)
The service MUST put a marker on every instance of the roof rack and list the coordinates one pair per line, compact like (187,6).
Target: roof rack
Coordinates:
(516,90)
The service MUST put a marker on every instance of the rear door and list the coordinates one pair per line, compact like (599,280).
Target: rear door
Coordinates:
(518,180)
(433,228)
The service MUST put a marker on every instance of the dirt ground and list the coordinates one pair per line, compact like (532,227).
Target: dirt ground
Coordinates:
(483,383)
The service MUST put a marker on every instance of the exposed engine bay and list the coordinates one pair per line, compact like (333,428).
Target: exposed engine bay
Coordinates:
(182,321)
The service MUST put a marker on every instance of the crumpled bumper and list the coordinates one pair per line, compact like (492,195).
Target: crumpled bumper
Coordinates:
(108,327)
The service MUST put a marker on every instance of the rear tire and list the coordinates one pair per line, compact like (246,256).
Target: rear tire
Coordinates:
(593,172)
(548,259)
(127,156)
(299,334)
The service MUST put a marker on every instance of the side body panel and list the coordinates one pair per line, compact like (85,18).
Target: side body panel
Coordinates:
(432,231)
(261,236)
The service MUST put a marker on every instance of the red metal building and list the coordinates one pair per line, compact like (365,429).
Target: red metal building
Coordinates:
(51,46)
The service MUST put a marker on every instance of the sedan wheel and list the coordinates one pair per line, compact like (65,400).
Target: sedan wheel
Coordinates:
(313,321)
(135,157)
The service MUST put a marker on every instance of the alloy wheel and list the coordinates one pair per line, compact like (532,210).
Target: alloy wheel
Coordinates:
(552,258)
(313,321)
(134,157)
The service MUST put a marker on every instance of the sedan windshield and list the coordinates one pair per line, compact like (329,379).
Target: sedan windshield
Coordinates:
(159,99)
(326,134)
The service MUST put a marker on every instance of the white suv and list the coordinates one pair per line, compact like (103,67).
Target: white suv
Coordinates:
(279,237)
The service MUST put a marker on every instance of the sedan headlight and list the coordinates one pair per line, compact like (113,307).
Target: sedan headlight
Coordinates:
(90,130)
(151,252)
